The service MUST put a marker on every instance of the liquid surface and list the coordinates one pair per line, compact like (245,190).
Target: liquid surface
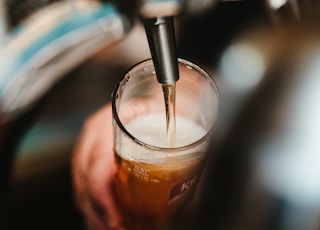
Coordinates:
(151,129)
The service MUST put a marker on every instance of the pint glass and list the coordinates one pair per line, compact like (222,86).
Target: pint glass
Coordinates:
(155,181)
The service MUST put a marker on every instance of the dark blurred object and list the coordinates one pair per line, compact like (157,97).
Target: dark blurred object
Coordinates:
(204,37)
(40,192)
(264,172)
(17,10)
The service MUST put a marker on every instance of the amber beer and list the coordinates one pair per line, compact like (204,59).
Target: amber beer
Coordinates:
(152,194)
(156,179)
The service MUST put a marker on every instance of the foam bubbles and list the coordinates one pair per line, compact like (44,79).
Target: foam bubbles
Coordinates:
(151,129)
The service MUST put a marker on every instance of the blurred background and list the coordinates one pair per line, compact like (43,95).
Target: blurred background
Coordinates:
(235,41)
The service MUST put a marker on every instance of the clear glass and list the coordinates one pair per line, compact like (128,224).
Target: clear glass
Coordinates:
(154,181)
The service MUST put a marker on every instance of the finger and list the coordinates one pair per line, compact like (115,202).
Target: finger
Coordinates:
(96,127)
(93,131)
(94,215)
(100,168)
(99,184)
(94,221)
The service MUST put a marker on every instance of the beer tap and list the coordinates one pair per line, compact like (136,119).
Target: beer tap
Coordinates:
(160,34)
(159,27)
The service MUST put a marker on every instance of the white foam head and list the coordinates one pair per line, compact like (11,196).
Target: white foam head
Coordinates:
(151,130)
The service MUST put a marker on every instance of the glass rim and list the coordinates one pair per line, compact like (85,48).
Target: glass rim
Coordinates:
(117,119)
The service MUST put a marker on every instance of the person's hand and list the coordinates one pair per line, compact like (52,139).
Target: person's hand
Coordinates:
(93,167)
(93,171)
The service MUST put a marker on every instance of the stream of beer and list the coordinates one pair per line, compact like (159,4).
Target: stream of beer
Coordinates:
(169,93)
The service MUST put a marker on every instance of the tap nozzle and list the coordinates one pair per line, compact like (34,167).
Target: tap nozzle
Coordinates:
(161,39)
